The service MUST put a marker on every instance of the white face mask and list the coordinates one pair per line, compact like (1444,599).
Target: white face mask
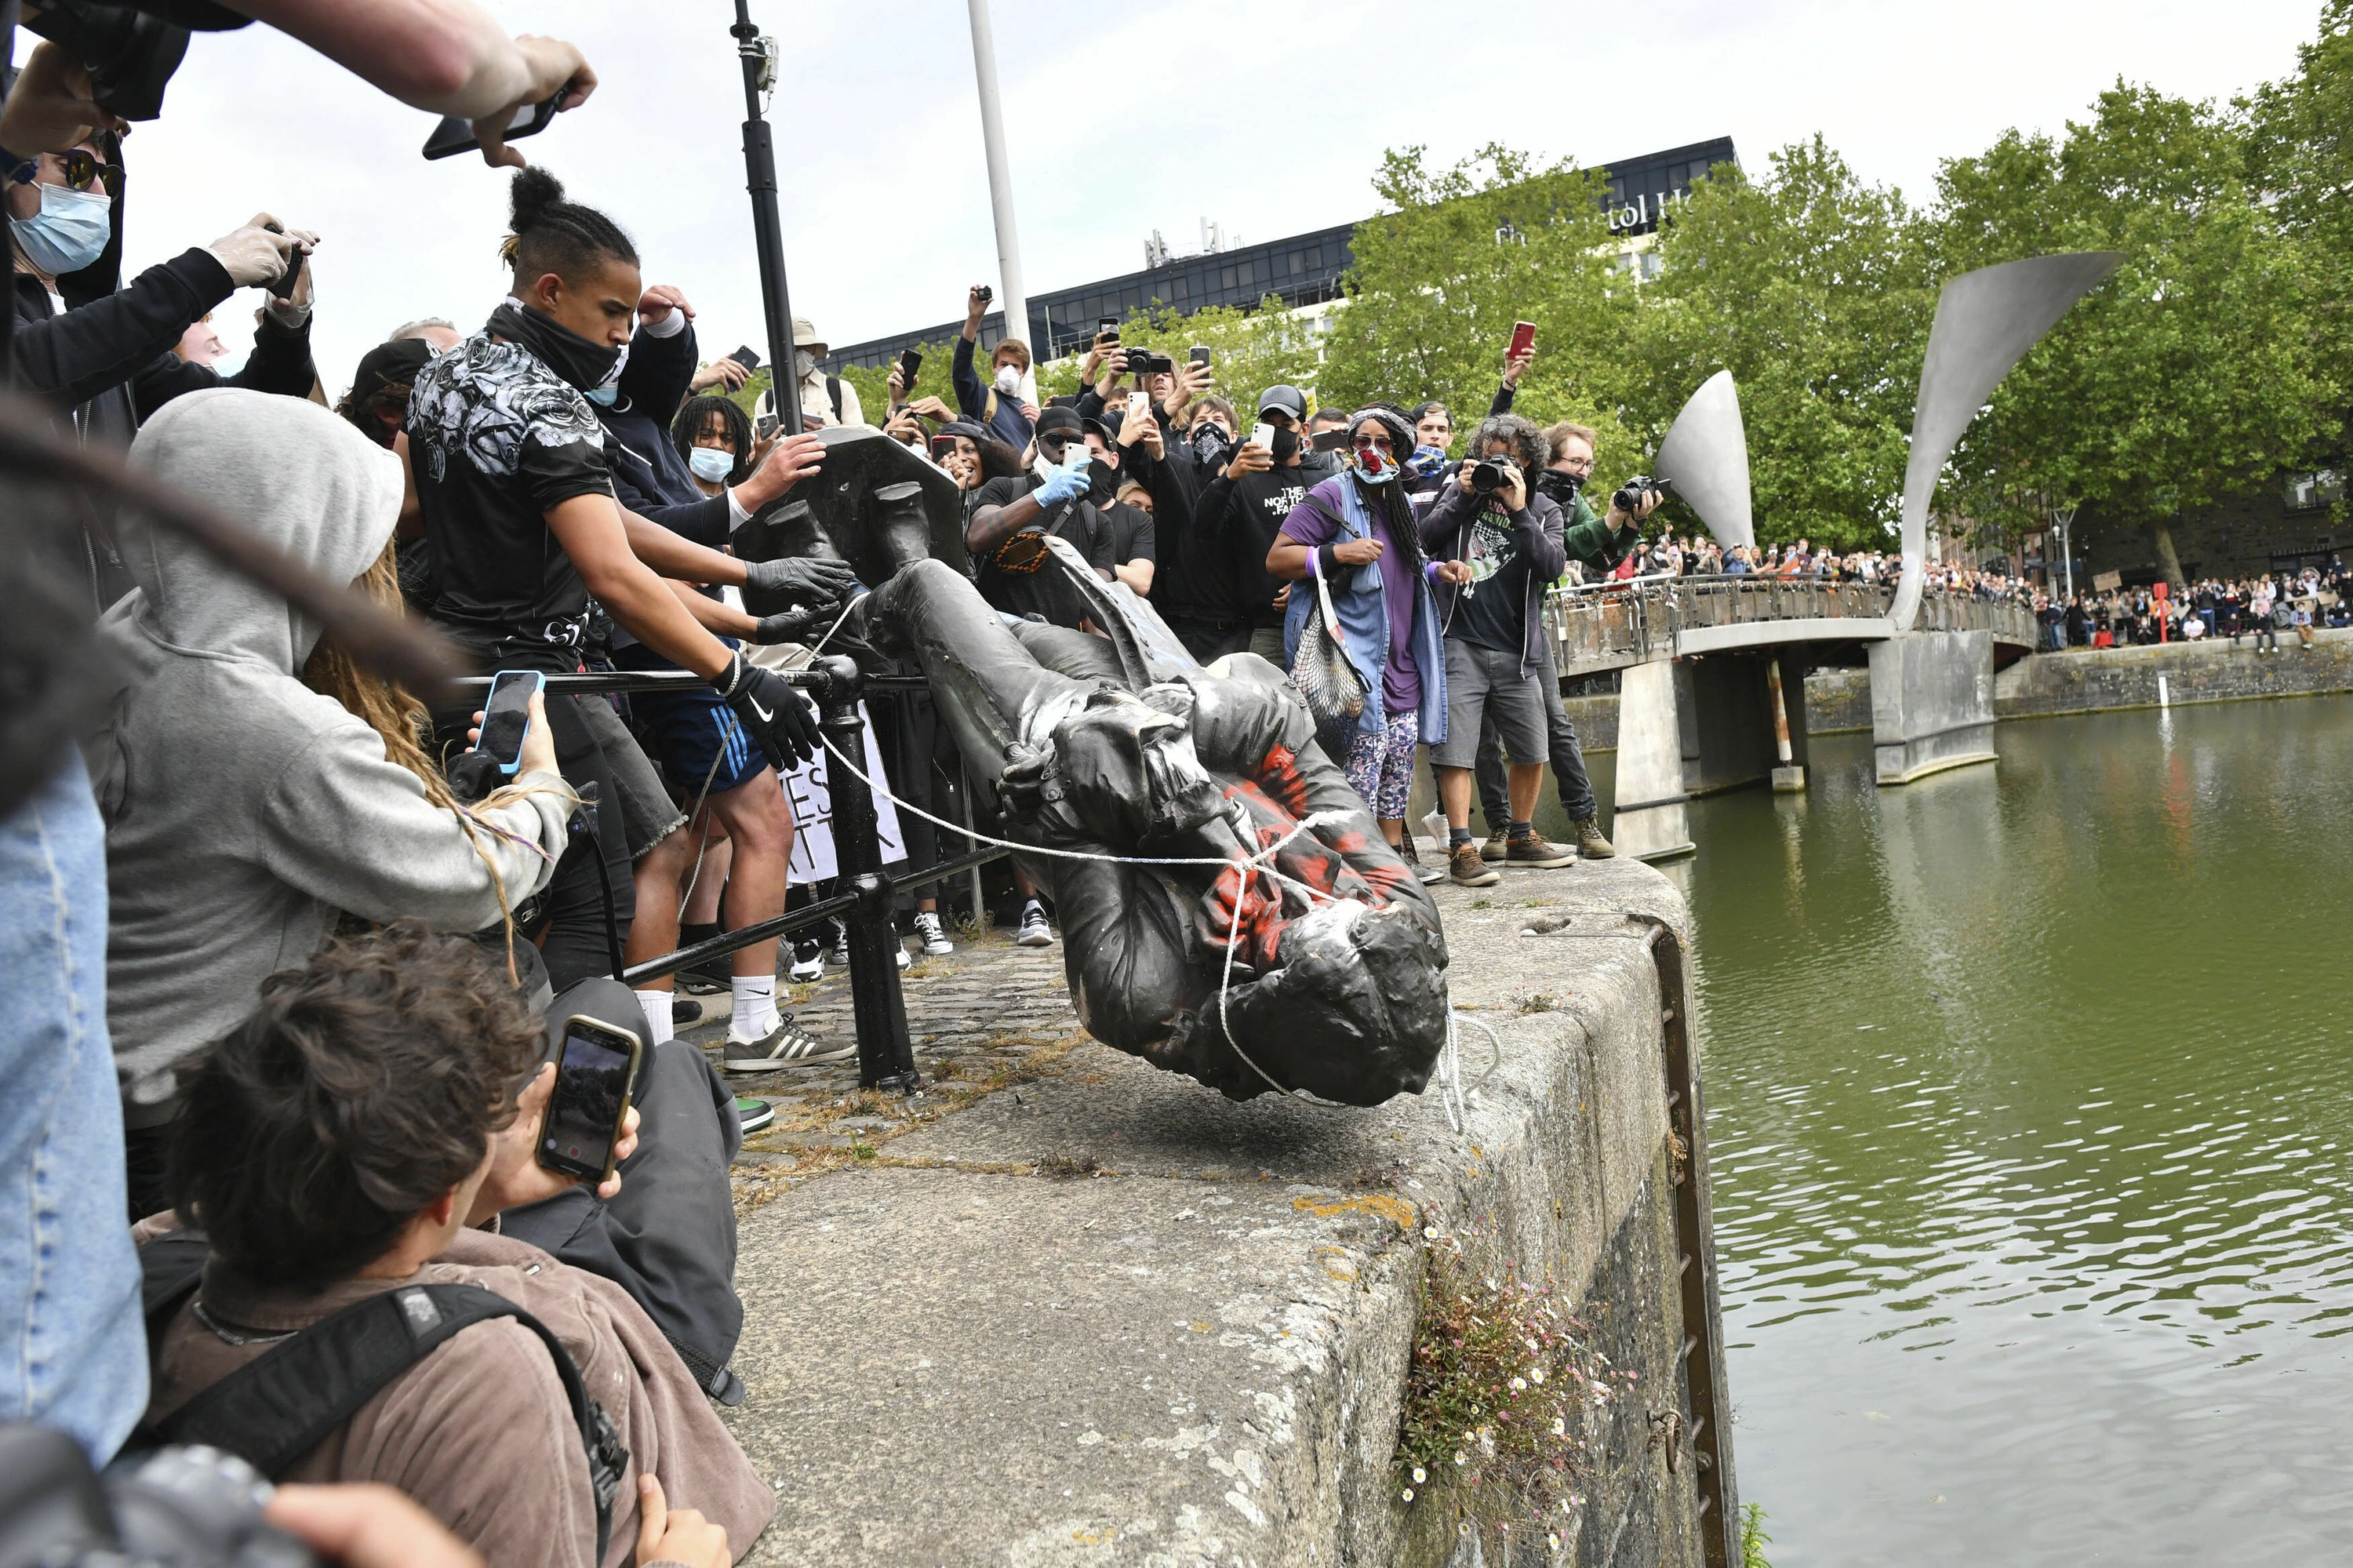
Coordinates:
(804,363)
(1009,381)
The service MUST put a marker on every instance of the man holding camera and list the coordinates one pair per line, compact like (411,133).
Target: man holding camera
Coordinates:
(1490,516)
(1597,544)
(1001,406)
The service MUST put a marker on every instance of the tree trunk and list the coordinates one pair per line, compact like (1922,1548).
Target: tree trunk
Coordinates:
(2167,561)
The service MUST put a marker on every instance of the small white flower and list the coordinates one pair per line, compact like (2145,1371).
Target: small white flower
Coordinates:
(1535,1374)
(1560,1427)
(1461,1458)
(1418,1476)
(1431,1232)
(1409,1494)
(1551,1538)
(1519,1385)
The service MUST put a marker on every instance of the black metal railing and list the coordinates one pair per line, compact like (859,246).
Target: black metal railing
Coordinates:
(878,1007)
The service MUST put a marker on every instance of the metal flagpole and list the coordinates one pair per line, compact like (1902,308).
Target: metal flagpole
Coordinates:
(760,179)
(1010,295)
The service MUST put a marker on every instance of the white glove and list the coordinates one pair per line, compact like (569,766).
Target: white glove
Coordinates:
(253,255)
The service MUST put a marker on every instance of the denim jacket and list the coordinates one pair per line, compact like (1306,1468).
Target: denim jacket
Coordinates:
(1362,612)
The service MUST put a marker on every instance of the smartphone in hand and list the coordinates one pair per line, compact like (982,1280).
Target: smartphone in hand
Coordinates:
(910,361)
(747,356)
(1524,338)
(506,717)
(595,1073)
(454,136)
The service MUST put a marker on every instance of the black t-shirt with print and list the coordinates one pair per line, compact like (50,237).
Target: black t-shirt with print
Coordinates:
(495,440)
(1261,501)
(1015,589)
(1491,611)
(1132,537)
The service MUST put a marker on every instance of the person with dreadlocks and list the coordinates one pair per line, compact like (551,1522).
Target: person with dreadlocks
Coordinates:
(1355,533)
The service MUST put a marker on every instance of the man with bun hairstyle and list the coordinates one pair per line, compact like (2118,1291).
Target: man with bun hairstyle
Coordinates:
(516,496)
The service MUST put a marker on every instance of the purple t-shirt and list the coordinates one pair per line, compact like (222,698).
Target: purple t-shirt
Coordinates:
(1312,523)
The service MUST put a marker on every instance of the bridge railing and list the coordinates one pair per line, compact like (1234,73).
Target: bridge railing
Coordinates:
(1599,626)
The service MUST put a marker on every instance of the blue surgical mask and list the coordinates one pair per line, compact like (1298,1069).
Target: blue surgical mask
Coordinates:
(603,396)
(711,464)
(70,231)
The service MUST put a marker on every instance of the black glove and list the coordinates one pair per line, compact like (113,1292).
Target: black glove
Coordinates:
(789,626)
(803,580)
(769,708)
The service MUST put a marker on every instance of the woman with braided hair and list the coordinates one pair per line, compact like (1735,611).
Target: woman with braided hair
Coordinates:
(1355,531)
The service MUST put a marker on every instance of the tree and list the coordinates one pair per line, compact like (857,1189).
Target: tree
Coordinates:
(2194,369)
(1248,350)
(1464,253)
(2300,157)
(1811,287)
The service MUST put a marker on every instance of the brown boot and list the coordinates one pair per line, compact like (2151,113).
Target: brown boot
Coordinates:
(1590,842)
(1466,869)
(1535,851)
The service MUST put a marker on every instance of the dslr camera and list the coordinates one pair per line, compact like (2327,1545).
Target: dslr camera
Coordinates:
(1629,497)
(1487,475)
(172,1507)
(1143,362)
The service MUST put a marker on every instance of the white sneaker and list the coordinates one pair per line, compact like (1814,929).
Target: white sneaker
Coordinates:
(935,938)
(899,952)
(809,961)
(840,954)
(1034,932)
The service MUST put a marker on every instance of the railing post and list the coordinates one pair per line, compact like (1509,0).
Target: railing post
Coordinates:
(886,1058)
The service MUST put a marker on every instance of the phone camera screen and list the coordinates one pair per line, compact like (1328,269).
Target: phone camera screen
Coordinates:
(505,719)
(584,1111)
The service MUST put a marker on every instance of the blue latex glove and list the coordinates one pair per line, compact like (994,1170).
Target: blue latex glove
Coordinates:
(1062,483)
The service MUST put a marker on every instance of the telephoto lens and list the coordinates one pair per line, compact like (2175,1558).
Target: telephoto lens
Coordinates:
(1486,477)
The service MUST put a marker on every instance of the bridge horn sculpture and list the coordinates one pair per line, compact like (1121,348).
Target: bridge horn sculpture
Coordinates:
(1706,455)
(1985,321)
(1231,909)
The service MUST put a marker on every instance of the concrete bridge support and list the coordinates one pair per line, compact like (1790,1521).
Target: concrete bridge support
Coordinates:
(1694,726)
(1931,702)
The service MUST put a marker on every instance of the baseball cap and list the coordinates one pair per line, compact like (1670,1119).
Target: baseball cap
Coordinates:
(1288,400)
(1063,420)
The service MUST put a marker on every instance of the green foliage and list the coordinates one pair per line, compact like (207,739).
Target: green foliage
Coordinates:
(2299,148)
(2194,369)
(1248,350)
(1465,252)
(1812,289)
(1753,1539)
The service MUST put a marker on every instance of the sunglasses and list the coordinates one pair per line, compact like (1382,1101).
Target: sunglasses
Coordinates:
(1368,441)
(82,169)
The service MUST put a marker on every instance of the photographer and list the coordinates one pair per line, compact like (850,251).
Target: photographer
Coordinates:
(350,1138)
(518,503)
(1489,517)
(1598,545)
(106,356)
(1003,407)
(1247,503)
(1010,515)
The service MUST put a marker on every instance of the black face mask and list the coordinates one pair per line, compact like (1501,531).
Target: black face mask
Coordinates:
(1103,483)
(575,361)
(1560,484)
(1286,444)
(1210,445)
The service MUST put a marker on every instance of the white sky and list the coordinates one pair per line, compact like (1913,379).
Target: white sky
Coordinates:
(1269,119)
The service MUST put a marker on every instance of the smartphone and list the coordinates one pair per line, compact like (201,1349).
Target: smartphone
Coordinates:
(1263,435)
(1200,354)
(595,1072)
(454,136)
(1524,338)
(910,361)
(1139,404)
(765,426)
(1331,440)
(284,287)
(747,356)
(506,717)
(1107,325)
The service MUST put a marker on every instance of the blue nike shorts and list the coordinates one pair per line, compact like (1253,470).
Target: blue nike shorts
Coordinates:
(694,735)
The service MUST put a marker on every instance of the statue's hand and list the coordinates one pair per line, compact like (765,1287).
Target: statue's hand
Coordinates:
(1023,788)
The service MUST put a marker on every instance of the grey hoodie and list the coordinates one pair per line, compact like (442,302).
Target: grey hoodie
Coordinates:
(245,811)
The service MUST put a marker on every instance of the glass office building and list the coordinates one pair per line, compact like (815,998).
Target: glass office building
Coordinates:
(1304,269)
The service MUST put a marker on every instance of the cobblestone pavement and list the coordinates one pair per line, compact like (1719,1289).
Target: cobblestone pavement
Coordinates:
(988,1016)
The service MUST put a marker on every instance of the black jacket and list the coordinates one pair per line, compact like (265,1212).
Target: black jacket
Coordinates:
(1446,536)
(109,363)
(649,476)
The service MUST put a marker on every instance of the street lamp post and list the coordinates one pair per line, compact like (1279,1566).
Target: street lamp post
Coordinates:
(760,179)
(1010,295)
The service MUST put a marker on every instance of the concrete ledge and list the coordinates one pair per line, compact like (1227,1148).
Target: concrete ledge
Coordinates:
(1194,1352)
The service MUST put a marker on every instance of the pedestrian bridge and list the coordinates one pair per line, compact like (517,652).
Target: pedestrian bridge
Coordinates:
(1600,627)
(1711,671)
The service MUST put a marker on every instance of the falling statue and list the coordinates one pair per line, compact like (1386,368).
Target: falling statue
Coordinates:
(1232,912)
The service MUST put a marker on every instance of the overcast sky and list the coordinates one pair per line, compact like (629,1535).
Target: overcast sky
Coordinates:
(1269,119)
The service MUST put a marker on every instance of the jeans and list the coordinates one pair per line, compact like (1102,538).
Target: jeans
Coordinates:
(1567,759)
(73,1346)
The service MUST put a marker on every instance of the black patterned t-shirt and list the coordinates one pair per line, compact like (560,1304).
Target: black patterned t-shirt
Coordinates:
(496,439)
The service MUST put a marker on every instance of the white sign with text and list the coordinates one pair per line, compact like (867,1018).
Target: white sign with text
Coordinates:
(809,797)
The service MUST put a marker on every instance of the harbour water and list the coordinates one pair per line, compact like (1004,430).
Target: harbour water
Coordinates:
(2031,1099)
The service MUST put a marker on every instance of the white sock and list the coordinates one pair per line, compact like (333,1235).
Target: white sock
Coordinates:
(756,1005)
(657,1006)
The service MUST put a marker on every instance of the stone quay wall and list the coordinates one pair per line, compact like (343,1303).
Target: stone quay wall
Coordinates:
(1065,1308)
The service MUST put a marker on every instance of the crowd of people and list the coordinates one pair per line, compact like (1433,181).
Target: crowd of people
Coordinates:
(2256,608)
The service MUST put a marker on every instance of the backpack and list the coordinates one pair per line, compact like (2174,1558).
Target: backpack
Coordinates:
(281,1404)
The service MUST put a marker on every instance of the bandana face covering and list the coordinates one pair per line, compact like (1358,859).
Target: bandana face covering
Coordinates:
(1375,466)
(575,361)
